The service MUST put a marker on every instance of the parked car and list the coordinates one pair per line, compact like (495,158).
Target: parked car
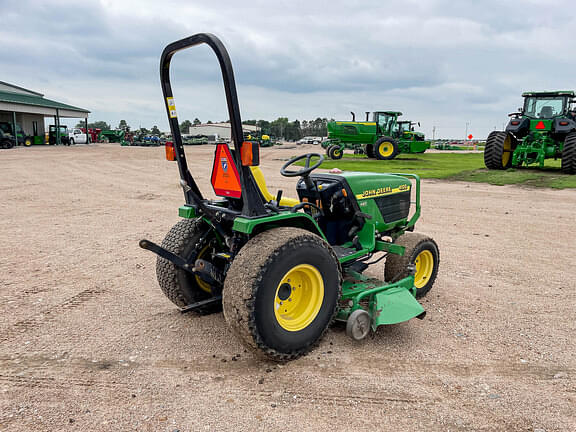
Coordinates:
(309,140)
(77,136)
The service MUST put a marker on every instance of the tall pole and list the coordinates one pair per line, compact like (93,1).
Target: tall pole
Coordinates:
(14,128)
(58,141)
(466,135)
(433,133)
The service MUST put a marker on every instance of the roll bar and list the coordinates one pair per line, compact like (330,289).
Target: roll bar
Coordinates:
(253,205)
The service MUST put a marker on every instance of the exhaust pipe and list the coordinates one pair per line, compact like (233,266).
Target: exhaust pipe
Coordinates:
(353,116)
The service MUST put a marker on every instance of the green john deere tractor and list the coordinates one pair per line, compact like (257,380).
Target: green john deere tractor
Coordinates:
(283,269)
(544,128)
(58,135)
(383,138)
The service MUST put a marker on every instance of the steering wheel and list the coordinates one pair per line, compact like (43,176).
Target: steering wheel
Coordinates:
(307,168)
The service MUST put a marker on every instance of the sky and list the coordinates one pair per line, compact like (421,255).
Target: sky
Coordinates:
(457,67)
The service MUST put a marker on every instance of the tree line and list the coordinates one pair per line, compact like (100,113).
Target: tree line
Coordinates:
(281,128)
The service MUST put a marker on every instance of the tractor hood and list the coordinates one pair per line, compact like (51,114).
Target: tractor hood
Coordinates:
(373,185)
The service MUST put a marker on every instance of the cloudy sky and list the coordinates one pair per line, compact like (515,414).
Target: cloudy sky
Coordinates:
(445,63)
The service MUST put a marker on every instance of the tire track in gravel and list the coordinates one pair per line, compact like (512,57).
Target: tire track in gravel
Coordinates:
(12,380)
(50,313)
(285,389)
(215,367)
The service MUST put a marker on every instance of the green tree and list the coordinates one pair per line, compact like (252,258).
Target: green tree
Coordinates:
(185,126)
(197,121)
(123,126)
(95,125)
(209,122)
(155,130)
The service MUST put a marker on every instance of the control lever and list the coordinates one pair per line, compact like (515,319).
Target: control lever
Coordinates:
(278,197)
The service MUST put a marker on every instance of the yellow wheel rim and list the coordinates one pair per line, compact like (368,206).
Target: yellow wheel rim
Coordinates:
(28,142)
(424,267)
(204,286)
(299,297)
(507,151)
(386,149)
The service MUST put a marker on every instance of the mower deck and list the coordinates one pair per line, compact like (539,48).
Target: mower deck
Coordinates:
(387,303)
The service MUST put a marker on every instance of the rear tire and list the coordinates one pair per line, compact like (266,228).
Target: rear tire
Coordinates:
(498,150)
(180,286)
(421,251)
(335,152)
(281,292)
(385,148)
(28,142)
(569,154)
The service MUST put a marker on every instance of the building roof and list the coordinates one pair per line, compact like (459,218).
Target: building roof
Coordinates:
(30,99)
(16,89)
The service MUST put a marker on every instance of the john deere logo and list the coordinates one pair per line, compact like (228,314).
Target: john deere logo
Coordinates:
(383,191)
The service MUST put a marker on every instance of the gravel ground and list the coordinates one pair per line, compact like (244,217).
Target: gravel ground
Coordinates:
(88,341)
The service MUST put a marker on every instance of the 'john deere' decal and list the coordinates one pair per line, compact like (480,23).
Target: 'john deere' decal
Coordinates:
(383,191)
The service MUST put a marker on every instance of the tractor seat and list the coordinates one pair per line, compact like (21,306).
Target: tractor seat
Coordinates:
(546,112)
(259,177)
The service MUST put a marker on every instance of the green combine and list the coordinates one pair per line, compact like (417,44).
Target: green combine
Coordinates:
(544,128)
(284,268)
(383,138)
(114,136)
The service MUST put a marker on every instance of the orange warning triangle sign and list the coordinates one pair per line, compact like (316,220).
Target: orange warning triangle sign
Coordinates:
(225,178)
(540,125)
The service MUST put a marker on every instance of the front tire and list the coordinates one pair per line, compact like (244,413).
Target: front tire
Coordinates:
(386,148)
(420,251)
(281,292)
(191,239)
(335,152)
(28,142)
(498,150)
(569,154)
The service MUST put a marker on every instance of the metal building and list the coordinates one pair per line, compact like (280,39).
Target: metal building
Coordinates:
(222,130)
(24,111)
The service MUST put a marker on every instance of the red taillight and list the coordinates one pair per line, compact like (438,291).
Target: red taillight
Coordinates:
(170,155)
(563,123)
(514,122)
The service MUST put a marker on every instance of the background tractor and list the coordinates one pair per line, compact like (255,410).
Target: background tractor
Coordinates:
(544,128)
(283,268)
(22,138)
(58,135)
(383,138)
(6,141)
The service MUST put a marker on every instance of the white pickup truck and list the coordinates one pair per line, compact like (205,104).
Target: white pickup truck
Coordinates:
(78,137)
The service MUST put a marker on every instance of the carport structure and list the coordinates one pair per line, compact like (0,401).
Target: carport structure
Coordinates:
(23,111)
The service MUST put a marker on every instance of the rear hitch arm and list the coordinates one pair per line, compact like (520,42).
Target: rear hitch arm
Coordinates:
(166,254)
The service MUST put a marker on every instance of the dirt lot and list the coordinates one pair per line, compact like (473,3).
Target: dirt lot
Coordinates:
(89,342)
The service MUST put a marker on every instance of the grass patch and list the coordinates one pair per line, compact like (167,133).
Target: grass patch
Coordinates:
(458,166)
